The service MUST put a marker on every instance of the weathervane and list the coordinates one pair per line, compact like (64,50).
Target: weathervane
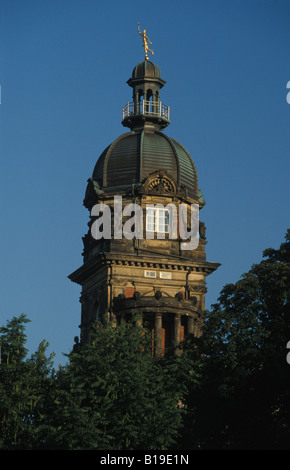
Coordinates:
(145,43)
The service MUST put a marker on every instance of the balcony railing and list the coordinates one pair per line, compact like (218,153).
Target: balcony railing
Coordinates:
(148,108)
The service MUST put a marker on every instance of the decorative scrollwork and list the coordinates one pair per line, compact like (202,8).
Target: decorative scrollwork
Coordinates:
(161,184)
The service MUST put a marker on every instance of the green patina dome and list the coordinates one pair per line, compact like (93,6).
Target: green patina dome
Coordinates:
(133,156)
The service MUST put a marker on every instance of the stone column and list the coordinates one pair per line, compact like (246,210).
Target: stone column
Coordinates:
(177,328)
(113,320)
(195,327)
(190,325)
(137,104)
(139,321)
(158,335)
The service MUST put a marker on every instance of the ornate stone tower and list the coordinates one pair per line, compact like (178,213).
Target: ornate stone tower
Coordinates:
(150,275)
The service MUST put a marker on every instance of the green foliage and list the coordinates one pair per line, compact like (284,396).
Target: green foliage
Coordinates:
(24,387)
(228,389)
(115,396)
(244,398)
(112,395)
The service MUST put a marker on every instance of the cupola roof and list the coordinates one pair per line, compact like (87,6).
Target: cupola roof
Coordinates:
(145,150)
(146,69)
(134,156)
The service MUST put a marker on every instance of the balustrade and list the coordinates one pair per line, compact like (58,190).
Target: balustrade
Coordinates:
(147,108)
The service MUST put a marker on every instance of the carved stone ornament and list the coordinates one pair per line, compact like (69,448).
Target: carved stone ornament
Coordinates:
(93,191)
(202,230)
(160,183)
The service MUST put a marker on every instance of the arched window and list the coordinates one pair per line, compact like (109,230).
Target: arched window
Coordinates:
(95,314)
(149,102)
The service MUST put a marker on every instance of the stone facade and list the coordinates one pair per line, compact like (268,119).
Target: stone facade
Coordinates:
(153,279)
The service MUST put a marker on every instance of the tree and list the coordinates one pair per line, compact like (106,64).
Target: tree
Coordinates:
(244,399)
(24,385)
(114,396)
(229,389)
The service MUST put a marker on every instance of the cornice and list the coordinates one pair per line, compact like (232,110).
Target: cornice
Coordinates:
(116,259)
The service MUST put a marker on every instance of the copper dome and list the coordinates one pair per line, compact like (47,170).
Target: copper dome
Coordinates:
(133,156)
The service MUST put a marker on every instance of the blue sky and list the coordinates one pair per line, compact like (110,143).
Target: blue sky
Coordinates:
(63,72)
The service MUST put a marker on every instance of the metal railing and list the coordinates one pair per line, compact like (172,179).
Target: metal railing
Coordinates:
(148,108)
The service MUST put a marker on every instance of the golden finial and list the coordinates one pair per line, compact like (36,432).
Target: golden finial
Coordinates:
(145,44)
